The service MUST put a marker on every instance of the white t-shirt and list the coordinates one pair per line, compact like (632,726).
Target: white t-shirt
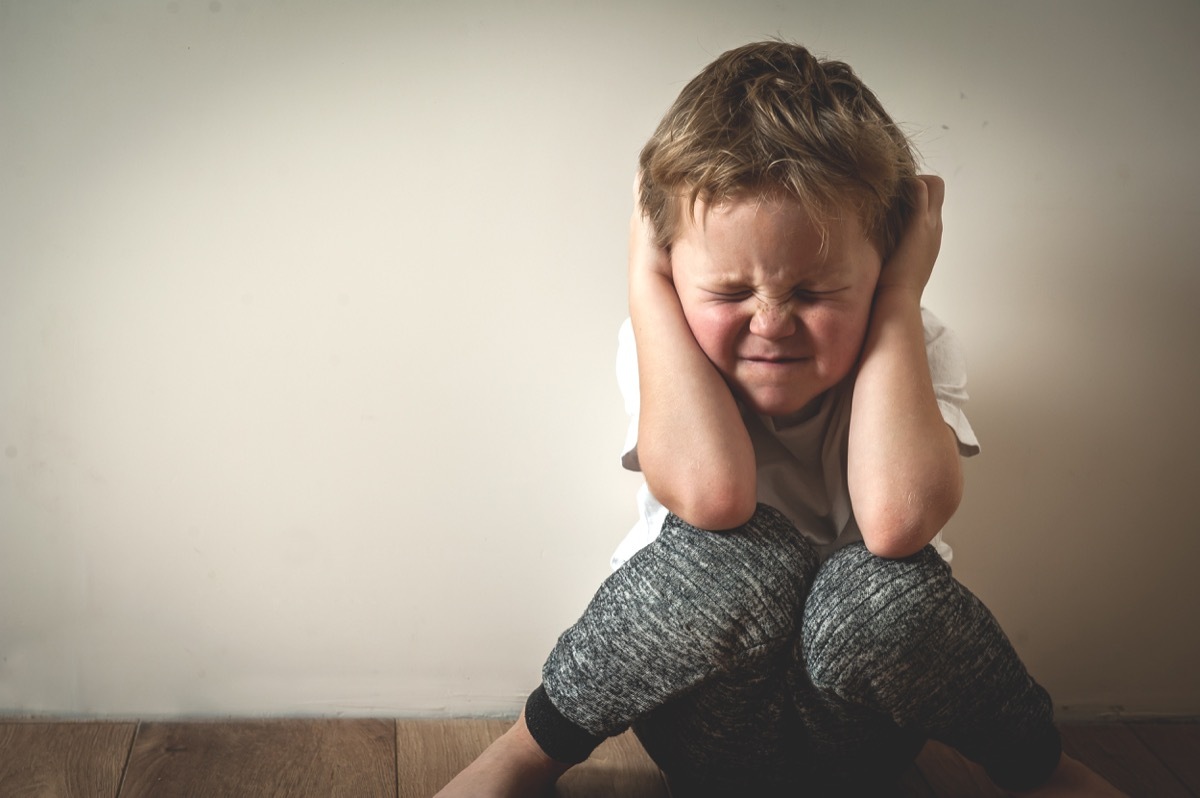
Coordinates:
(801,467)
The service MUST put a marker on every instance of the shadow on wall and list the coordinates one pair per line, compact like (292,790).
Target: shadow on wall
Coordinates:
(1078,528)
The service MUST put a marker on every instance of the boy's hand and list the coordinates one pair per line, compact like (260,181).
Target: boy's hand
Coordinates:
(911,264)
(693,447)
(902,464)
(644,255)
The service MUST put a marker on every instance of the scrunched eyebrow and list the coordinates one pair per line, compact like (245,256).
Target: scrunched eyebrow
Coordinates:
(728,286)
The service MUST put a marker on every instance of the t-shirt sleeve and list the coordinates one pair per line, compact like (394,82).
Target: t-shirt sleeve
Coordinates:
(627,381)
(947,367)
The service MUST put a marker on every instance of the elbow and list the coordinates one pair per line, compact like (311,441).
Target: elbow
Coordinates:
(715,509)
(896,542)
(901,527)
(718,516)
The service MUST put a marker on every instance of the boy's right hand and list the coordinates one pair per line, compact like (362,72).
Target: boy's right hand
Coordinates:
(692,445)
(645,256)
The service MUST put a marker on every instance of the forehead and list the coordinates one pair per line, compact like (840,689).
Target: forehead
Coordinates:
(770,233)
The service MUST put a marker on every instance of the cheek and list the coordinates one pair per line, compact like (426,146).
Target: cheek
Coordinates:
(838,334)
(716,329)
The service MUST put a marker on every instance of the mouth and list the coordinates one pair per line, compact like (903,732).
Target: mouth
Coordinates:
(779,360)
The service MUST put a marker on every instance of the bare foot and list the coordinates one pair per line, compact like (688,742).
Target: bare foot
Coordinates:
(1072,777)
(514,766)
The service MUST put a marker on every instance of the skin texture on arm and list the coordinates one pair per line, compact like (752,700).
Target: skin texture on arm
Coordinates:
(903,468)
(693,447)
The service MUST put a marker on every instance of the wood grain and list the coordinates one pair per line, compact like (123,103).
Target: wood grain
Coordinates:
(1177,746)
(1119,755)
(430,752)
(264,758)
(415,758)
(63,759)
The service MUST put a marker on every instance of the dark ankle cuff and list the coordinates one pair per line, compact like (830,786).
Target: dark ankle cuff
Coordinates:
(559,737)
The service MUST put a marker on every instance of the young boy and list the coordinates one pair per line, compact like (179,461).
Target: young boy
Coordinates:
(779,622)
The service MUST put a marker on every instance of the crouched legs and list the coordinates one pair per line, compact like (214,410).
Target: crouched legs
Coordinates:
(694,608)
(905,641)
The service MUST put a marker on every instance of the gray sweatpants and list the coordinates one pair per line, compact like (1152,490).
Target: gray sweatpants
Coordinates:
(746,667)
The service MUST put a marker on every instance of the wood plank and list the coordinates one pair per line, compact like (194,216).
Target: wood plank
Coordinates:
(620,766)
(1117,754)
(431,752)
(294,758)
(353,758)
(63,759)
(1177,745)
(952,775)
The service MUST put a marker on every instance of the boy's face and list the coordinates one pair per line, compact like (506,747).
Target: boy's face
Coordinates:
(781,320)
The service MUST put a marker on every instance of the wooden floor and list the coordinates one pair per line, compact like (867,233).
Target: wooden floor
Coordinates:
(412,759)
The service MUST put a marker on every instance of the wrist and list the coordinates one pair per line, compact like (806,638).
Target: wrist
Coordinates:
(651,289)
(896,304)
(899,293)
(896,310)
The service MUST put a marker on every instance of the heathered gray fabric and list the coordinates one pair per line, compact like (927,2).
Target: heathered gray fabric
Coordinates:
(743,665)
(691,605)
(905,641)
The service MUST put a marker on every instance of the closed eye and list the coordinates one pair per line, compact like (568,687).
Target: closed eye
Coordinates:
(730,296)
(809,295)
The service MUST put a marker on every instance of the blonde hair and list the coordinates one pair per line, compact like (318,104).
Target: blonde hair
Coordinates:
(771,118)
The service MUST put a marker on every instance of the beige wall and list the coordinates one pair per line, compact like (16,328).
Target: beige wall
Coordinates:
(308,313)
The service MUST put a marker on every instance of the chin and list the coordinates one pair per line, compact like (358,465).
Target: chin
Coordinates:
(778,406)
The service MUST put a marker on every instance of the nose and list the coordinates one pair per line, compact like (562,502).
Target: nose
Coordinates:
(773,320)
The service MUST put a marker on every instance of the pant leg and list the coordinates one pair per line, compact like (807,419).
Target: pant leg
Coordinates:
(694,642)
(904,641)
(733,735)
(693,608)
(759,734)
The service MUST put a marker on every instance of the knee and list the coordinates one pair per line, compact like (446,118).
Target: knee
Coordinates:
(867,615)
(755,576)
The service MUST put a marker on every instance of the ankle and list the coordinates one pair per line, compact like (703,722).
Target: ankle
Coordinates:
(513,766)
(525,750)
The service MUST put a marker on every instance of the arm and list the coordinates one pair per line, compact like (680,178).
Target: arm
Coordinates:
(693,447)
(903,468)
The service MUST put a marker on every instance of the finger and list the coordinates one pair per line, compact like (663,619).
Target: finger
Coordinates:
(935,191)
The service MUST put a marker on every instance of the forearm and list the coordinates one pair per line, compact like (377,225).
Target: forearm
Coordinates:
(903,468)
(692,443)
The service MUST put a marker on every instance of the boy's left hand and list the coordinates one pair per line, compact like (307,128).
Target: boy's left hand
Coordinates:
(910,266)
